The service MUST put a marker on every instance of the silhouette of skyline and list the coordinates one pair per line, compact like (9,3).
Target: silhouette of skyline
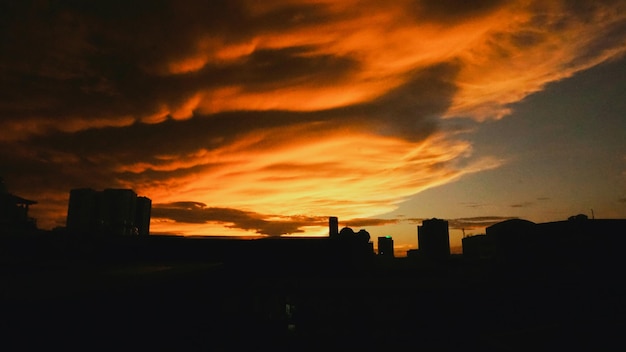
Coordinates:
(520,280)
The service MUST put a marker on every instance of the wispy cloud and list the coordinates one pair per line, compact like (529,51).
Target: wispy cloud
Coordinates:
(473,204)
(199,213)
(370,222)
(190,212)
(522,205)
(477,222)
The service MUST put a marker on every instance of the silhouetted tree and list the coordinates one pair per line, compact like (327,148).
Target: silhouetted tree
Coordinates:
(346,233)
(363,236)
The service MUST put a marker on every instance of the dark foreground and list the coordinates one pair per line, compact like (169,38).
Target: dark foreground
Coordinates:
(175,304)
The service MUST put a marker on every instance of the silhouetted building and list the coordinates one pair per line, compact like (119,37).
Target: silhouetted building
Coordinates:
(333,227)
(554,244)
(433,239)
(142,215)
(14,212)
(513,239)
(82,211)
(412,253)
(477,246)
(117,212)
(385,246)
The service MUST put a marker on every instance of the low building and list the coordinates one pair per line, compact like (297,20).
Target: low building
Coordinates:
(14,212)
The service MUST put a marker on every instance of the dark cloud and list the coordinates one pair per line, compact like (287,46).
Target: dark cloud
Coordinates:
(369,222)
(477,222)
(522,205)
(452,10)
(473,204)
(272,225)
(469,223)
(94,157)
(102,60)
(414,220)
(199,213)
(410,110)
(622,200)
(271,69)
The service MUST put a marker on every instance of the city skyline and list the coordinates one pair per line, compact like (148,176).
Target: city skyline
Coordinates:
(248,119)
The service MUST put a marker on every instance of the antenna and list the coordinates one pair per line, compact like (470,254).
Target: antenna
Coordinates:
(463,229)
(592,216)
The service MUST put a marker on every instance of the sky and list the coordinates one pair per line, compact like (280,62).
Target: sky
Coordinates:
(265,118)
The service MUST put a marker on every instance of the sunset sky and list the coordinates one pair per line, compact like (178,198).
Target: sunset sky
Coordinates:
(266,117)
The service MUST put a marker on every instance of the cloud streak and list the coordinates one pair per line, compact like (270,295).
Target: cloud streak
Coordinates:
(199,213)
(190,212)
(302,107)
(478,222)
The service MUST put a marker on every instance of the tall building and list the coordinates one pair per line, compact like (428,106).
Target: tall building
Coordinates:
(385,246)
(116,212)
(82,211)
(142,215)
(433,239)
(333,227)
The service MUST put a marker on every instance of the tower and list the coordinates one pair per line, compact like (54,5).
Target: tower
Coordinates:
(82,211)
(433,239)
(117,211)
(142,216)
(385,246)
(333,227)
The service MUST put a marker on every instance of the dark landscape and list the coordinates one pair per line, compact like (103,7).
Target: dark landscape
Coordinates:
(169,293)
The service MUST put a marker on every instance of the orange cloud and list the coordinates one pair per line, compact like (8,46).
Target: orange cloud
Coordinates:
(282,107)
(538,43)
(504,54)
(350,176)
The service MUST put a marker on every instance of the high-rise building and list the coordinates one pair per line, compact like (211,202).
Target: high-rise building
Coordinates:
(385,246)
(433,239)
(142,216)
(333,227)
(117,212)
(82,211)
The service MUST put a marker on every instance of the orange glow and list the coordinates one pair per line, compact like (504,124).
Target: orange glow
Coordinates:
(187,65)
(353,55)
(350,176)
